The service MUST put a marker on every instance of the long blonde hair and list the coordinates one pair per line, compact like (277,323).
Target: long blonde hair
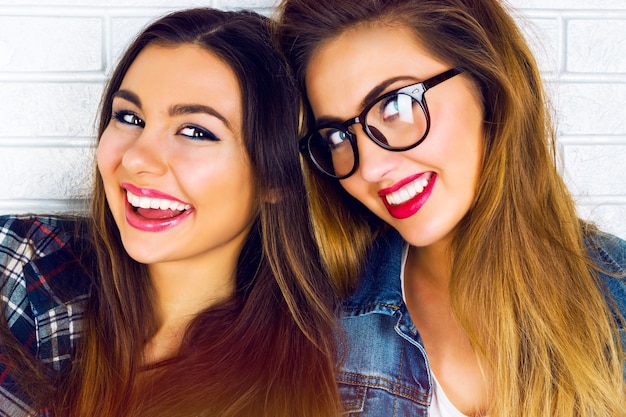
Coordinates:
(523,286)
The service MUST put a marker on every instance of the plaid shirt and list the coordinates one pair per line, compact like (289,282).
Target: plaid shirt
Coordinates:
(42,288)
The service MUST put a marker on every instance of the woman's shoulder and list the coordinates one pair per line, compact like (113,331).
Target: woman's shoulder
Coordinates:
(607,250)
(42,253)
(36,236)
(30,225)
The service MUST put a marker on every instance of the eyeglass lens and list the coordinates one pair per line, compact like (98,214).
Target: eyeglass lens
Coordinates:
(394,121)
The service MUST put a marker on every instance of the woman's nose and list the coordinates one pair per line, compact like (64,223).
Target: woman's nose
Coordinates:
(146,154)
(374,161)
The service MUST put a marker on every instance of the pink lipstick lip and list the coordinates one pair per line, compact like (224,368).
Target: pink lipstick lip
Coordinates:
(409,208)
(148,192)
(395,187)
(153,225)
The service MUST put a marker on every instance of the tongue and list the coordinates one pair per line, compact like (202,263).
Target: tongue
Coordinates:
(156,214)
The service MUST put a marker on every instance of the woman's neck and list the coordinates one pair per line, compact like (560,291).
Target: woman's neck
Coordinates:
(427,281)
(431,265)
(182,291)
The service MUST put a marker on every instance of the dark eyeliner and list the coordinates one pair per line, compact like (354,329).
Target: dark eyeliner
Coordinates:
(201,133)
(120,117)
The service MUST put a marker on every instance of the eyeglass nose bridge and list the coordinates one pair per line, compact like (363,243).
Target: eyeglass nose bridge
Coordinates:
(347,125)
(360,119)
(351,122)
(366,130)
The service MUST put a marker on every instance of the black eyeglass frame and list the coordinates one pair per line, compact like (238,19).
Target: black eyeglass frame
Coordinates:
(415,91)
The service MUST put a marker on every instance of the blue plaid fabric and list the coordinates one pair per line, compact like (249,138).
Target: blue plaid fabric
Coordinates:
(43,287)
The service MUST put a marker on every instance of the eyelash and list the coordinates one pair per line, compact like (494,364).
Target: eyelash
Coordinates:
(121,115)
(200,133)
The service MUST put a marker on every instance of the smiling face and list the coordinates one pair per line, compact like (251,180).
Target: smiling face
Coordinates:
(423,192)
(176,174)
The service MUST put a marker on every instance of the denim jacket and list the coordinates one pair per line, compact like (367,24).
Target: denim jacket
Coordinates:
(385,371)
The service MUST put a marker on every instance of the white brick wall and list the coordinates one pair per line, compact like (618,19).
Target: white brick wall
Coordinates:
(56,54)
(581,45)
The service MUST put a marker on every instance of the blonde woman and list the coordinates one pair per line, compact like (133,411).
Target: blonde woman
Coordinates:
(471,287)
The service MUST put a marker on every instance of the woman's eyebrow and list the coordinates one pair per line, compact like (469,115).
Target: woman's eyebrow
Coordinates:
(128,96)
(378,90)
(181,109)
(372,95)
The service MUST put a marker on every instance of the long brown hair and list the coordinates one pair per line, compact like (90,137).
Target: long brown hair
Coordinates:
(267,351)
(523,286)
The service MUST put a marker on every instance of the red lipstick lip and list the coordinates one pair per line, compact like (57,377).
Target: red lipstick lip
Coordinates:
(395,187)
(148,192)
(409,208)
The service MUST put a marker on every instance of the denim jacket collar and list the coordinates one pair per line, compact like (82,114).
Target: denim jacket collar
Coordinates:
(380,288)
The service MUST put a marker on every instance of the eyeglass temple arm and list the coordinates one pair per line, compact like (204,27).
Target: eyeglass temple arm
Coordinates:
(437,79)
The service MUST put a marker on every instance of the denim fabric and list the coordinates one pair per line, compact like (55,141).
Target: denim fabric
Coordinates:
(385,372)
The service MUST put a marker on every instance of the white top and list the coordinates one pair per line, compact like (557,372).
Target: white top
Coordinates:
(440,405)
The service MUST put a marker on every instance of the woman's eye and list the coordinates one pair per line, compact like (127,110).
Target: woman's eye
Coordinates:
(336,138)
(398,106)
(197,133)
(389,108)
(129,118)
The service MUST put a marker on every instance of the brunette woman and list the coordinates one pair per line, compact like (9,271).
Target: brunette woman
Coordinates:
(193,288)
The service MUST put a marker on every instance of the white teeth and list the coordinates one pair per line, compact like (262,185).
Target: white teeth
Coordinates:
(155,203)
(144,202)
(408,191)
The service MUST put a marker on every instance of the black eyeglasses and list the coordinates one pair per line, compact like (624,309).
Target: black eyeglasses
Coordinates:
(396,121)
